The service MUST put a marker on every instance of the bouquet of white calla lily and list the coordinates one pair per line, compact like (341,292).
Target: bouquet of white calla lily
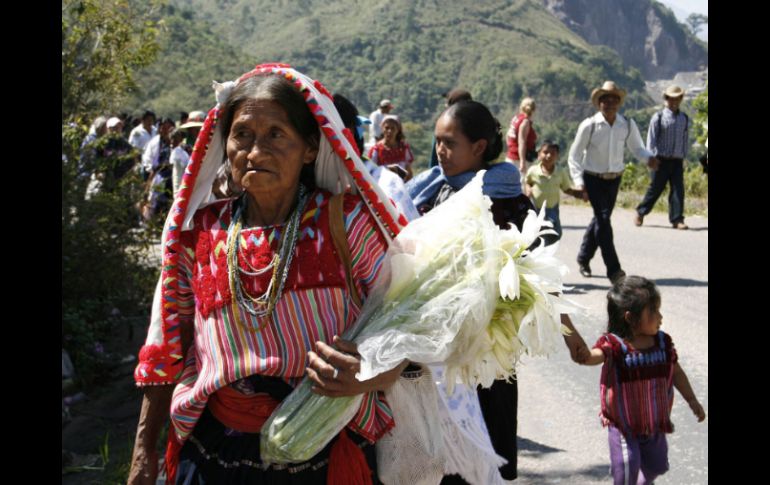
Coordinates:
(454,289)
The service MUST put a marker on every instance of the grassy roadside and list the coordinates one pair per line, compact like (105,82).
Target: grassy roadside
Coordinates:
(693,206)
(636,180)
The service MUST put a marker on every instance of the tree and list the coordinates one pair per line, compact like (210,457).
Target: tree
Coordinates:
(701,106)
(104,252)
(103,43)
(695,21)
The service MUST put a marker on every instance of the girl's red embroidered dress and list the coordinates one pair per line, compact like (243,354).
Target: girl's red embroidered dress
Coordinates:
(637,385)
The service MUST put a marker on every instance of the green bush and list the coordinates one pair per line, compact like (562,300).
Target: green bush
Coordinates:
(106,274)
(636,179)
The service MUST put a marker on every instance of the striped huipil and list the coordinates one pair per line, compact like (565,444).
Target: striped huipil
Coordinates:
(637,386)
(314,305)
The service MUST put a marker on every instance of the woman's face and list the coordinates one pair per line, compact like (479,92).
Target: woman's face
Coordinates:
(390,131)
(531,112)
(265,150)
(456,153)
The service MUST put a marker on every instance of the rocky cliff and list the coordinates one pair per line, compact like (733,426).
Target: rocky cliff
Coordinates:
(645,33)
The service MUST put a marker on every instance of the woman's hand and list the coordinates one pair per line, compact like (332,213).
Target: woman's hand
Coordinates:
(334,371)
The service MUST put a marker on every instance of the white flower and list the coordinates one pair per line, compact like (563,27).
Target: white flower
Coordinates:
(509,280)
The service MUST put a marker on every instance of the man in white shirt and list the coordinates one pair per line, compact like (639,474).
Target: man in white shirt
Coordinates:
(375,131)
(144,132)
(152,149)
(179,158)
(596,165)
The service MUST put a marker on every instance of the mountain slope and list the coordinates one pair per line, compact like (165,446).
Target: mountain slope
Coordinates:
(645,33)
(407,50)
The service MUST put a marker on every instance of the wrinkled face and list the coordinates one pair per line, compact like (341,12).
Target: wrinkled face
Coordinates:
(548,157)
(390,131)
(609,104)
(650,322)
(673,103)
(456,153)
(265,150)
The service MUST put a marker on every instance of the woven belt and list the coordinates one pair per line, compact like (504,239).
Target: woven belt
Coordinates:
(606,175)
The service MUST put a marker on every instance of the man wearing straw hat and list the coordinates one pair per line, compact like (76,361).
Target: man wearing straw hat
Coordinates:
(596,165)
(192,126)
(668,139)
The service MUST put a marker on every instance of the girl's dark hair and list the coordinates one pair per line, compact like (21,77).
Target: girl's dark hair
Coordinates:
(477,123)
(629,294)
(275,88)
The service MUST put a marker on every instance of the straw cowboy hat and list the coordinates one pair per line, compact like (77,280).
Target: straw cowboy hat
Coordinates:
(673,91)
(194,120)
(608,87)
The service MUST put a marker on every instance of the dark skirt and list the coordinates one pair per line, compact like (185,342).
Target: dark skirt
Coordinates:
(499,405)
(215,454)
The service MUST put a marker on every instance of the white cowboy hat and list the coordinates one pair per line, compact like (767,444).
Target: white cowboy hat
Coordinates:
(608,87)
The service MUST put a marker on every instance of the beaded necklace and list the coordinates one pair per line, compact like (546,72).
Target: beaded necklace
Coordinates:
(263,304)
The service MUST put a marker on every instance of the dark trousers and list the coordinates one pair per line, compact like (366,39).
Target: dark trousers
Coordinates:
(602,195)
(671,170)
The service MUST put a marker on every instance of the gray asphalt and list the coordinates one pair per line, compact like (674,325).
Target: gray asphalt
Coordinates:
(560,437)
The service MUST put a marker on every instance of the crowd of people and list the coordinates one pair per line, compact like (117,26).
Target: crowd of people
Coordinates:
(276,230)
(158,149)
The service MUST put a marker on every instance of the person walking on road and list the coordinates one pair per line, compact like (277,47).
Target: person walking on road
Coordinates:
(668,138)
(641,369)
(596,165)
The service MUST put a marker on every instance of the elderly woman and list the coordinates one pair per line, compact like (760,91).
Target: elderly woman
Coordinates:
(468,139)
(520,152)
(256,289)
(393,151)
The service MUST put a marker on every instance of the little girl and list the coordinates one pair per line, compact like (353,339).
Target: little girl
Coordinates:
(393,151)
(639,373)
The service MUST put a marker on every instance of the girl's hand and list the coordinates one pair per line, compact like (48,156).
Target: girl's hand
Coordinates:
(697,410)
(582,355)
(334,371)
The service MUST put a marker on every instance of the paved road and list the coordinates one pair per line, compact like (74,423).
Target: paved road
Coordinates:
(560,437)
